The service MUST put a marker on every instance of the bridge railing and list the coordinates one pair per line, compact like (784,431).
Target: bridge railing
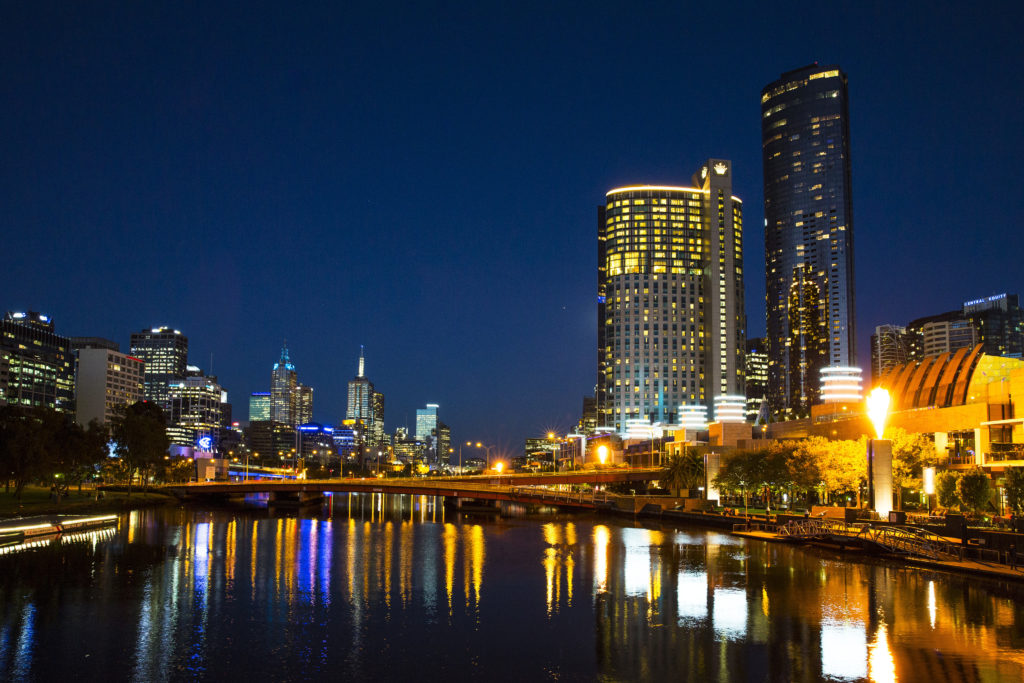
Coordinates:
(592,497)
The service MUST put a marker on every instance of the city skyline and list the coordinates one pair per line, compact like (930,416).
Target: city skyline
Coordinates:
(376,183)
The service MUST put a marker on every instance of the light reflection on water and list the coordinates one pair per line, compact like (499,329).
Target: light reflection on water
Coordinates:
(398,586)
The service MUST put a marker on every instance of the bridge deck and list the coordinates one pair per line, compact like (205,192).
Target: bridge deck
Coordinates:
(503,487)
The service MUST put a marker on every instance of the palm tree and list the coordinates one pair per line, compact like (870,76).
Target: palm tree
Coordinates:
(684,470)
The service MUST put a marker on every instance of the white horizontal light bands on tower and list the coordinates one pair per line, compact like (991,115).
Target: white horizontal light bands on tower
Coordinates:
(730,408)
(694,417)
(841,384)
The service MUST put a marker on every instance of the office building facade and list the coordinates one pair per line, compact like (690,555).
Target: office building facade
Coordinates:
(808,206)
(999,321)
(259,406)
(37,366)
(106,383)
(165,353)
(671,324)
(196,411)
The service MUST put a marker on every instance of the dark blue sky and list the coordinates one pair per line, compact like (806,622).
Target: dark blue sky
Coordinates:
(422,178)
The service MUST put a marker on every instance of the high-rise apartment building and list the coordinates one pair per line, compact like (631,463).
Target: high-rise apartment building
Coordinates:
(37,366)
(283,382)
(671,324)
(107,382)
(259,406)
(805,138)
(756,362)
(165,353)
(890,346)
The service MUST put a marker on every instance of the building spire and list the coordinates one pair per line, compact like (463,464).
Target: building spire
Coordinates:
(361,361)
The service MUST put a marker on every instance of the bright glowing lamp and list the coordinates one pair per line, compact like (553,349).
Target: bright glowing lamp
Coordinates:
(878,408)
(929,480)
(602,454)
(499,466)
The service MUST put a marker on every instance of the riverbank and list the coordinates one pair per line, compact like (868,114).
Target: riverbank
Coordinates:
(738,525)
(37,500)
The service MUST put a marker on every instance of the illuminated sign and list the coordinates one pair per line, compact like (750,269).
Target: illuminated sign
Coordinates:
(988,299)
(205,443)
(721,168)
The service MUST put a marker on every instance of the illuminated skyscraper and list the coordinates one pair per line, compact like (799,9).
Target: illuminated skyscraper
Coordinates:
(671,325)
(283,381)
(426,429)
(165,353)
(366,405)
(37,366)
(805,136)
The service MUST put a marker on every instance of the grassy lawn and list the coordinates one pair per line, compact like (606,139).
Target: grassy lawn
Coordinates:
(35,500)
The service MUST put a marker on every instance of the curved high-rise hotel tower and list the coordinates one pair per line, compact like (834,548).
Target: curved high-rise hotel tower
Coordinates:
(805,136)
(671,325)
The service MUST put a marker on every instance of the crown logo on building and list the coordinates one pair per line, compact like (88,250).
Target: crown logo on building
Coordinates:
(721,168)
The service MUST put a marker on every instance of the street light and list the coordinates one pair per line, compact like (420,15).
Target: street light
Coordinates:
(479,445)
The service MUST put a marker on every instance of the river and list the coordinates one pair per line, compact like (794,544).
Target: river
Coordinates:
(374,587)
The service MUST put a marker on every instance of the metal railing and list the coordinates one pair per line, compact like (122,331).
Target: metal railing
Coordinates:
(543,495)
(893,538)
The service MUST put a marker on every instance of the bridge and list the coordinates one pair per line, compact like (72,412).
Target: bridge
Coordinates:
(524,488)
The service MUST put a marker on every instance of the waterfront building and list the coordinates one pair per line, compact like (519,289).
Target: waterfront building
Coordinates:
(805,138)
(165,353)
(283,382)
(196,411)
(259,406)
(756,378)
(106,382)
(890,346)
(962,401)
(671,324)
(37,366)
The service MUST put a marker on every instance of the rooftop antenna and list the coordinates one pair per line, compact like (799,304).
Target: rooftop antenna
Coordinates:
(361,361)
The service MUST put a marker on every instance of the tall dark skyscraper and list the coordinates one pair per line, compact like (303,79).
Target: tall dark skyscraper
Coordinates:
(165,353)
(37,366)
(805,138)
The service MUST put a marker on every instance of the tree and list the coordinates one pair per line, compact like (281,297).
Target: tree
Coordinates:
(911,453)
(974,488)
(1015,490)
(684,471)
(140,438)
(842,465)
(946,489)
(27,443)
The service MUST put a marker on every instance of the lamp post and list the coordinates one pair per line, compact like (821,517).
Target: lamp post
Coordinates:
(879,455)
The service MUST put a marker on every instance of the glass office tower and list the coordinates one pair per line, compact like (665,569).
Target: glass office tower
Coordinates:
(805,137)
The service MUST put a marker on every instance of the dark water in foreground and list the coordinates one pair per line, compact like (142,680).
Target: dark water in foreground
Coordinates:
(393,588)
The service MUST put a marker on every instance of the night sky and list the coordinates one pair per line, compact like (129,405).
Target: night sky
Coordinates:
(422,178)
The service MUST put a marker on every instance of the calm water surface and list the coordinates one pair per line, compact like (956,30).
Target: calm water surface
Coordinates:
(390,587)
